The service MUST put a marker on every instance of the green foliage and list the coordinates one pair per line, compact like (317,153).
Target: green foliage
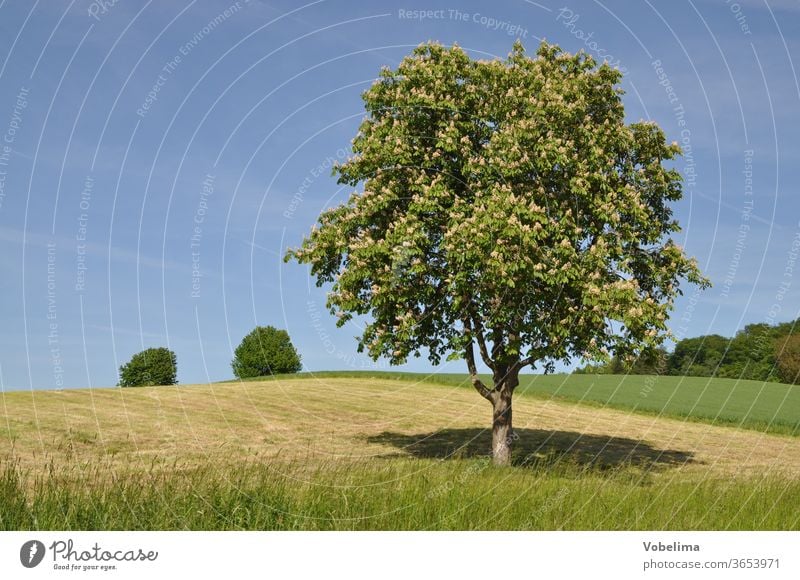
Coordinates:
(752,354)
(699,357)
(787,358)
(154,366)
(507,204)
(265,351)
(651,362)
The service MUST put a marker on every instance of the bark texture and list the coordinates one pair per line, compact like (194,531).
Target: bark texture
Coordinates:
(502,431)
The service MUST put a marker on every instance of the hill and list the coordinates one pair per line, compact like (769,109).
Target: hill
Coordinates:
(366,453)
(758,405)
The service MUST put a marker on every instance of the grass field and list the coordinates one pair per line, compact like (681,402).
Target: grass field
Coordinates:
(762,406)
(341,452)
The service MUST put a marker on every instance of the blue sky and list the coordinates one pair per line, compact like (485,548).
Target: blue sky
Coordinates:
(142,143)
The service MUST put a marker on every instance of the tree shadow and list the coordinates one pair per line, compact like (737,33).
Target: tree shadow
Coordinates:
(538,447)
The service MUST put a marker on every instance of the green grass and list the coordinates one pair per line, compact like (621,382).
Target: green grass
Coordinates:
(762,406)
(393,494)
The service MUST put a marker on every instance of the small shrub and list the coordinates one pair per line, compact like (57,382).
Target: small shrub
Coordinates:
(265,351)
(154,366)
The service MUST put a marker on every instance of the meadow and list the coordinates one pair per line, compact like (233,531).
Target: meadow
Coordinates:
(337,451)
(763,406)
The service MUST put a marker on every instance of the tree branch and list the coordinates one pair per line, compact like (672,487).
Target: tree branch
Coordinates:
(473,373)
(482,345)
(497,344)
(474,328)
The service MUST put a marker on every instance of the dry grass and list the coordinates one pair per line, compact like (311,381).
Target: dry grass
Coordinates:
(342,419)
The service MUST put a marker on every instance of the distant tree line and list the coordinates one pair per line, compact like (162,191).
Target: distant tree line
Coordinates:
(761,352)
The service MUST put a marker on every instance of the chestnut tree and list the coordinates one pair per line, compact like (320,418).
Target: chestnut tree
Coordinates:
(505,210)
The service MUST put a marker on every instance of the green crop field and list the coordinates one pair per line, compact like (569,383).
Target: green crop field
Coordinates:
(333,451)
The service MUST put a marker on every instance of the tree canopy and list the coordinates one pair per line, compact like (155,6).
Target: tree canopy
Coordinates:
(265,351)
(503,205)
(153,366)
(787,358)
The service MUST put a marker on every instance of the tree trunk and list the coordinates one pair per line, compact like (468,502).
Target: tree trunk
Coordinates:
(502,433)
(505,376)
